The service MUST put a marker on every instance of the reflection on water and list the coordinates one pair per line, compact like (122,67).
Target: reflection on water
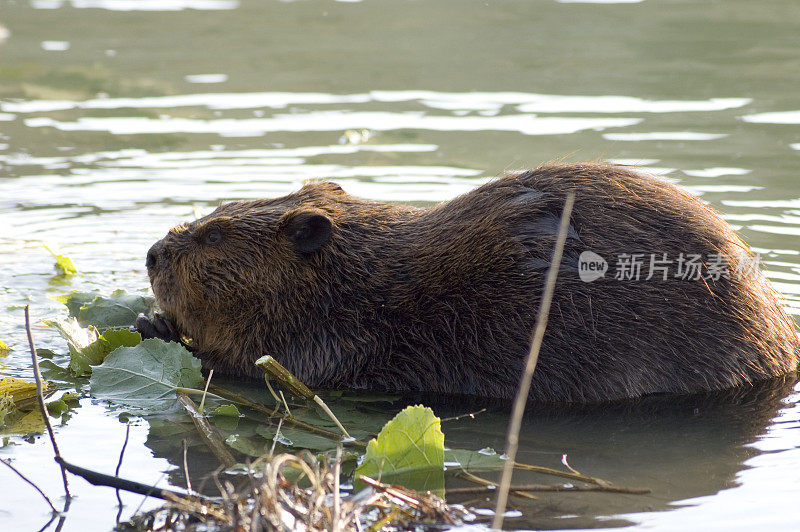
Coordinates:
(120,118)
(137,5)
(681,448)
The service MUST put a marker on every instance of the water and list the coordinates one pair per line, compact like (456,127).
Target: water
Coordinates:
(119,119)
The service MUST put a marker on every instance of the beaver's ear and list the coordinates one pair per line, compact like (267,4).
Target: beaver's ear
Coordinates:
(308,230)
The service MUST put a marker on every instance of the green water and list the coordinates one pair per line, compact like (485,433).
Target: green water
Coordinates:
(119,118)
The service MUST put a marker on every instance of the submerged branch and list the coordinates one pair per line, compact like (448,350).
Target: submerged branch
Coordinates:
(207,432)
(101,479)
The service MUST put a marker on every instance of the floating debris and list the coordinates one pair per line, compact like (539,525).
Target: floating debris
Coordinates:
(300,492)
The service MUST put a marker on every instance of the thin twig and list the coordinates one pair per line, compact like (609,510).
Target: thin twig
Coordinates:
(337,503)
(563,474)
(547,488)
(275,438)
(119,465)
(285,404)
(152,492)
(566,464)
(26,479)
(317,399)
(512,438)
(63,517)
(50,521)
(272,391)
(186,465)
(489,485)
(37,374)
(470,415)
(205,391)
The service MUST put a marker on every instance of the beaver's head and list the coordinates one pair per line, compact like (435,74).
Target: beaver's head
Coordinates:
(244,261)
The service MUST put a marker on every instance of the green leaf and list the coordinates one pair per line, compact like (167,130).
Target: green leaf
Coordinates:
(71,398)
(75,300)
(57,407)
(53,372)
(117,310)
(409,450)
(87,348)
(115,338)
(226,410)
(79,341)
(63,263)
(226,417)
(145,376)
(45,353)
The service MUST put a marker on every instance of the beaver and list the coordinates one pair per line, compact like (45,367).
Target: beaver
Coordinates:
(351,293)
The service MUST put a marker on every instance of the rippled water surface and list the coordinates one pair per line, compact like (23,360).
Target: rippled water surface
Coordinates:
(121,118)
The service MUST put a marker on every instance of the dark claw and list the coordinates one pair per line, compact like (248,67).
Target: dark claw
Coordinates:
(145,327)
(162,326)
(159,327)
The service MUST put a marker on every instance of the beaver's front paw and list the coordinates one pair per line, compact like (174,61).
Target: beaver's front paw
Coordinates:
(159,327)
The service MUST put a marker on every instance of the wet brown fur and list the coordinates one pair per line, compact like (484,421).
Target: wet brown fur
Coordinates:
(444,299)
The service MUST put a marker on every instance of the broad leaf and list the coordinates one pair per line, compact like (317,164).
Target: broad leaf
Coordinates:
(87,348)
(53,372)
(57,408)
(145,376)
(409,450)
(117,310)
(75,300)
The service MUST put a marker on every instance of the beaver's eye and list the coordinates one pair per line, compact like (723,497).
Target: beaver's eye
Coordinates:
(213,237)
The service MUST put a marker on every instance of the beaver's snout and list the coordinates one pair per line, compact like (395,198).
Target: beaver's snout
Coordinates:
(154,256)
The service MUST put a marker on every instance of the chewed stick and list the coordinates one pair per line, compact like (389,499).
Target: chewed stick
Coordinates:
(272,368)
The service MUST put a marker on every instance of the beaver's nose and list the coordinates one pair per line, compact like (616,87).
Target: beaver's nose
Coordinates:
(152,256)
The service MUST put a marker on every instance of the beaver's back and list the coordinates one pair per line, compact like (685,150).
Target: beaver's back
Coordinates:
(608,338)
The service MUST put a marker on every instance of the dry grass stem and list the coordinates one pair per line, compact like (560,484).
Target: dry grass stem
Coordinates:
(512,438)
